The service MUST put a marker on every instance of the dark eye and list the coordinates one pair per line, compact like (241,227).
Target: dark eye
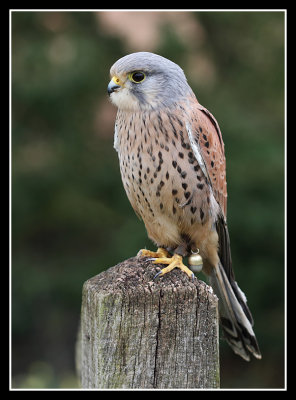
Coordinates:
(137,76)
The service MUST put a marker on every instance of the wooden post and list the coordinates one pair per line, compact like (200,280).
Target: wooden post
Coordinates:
(138,333)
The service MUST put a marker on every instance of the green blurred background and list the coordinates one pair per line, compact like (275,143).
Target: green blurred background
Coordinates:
(71,218)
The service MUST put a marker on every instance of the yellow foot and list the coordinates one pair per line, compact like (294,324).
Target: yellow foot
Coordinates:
(154,254)
(173,262)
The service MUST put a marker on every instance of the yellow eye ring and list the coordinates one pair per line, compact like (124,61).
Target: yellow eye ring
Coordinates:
(137,76)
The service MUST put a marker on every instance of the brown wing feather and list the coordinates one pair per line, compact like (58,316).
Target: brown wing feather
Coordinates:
(206,130)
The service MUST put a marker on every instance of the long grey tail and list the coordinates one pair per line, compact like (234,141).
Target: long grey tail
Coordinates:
(235,316)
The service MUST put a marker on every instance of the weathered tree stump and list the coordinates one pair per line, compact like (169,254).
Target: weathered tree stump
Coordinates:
(137,333)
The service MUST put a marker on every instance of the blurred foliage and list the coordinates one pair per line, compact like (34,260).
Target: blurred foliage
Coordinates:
(70,216)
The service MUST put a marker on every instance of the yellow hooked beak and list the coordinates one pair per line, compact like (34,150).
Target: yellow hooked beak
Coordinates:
(114,84)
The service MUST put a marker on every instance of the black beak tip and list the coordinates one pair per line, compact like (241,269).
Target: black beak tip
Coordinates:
(112,87)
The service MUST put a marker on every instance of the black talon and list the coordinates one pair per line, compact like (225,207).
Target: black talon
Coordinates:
(157,275)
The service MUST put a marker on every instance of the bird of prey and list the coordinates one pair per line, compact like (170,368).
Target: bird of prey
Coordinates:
(172,165)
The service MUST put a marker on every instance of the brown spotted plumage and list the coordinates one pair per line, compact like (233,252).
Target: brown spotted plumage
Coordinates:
(172,164)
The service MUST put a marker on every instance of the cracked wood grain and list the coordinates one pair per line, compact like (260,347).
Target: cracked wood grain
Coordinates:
(137,333)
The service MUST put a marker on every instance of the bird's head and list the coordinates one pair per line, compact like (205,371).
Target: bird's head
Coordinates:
(146,81)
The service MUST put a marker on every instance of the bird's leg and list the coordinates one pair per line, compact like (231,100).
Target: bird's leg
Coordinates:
(173,262)
(160,252)
(162,256)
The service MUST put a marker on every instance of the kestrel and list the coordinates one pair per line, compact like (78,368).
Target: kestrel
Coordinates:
(172,165)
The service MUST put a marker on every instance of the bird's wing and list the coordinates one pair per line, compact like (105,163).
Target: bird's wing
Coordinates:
(208,147)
